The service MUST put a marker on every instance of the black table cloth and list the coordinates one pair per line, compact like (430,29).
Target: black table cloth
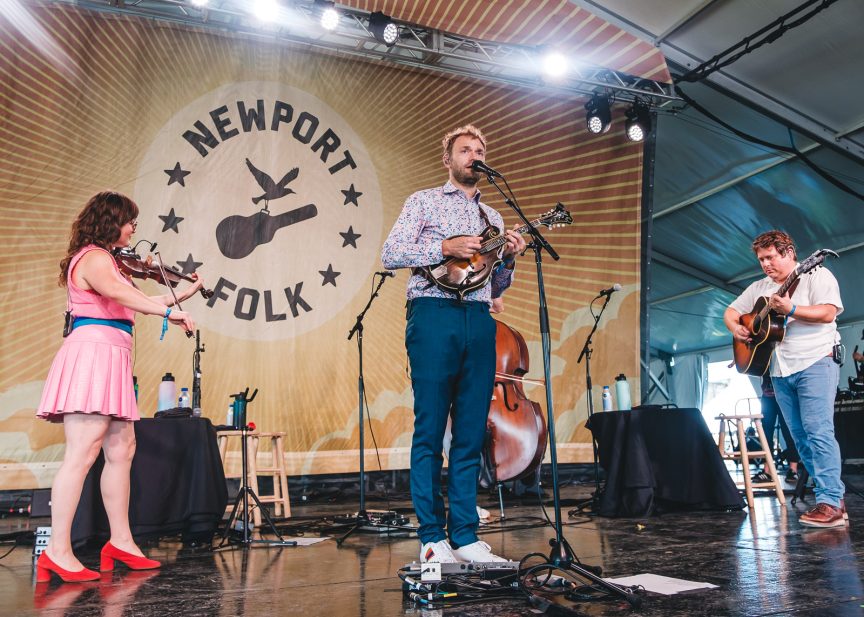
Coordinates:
(177,484)
(849,431)
(660,460)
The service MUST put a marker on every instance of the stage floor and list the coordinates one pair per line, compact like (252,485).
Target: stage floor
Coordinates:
(764,563)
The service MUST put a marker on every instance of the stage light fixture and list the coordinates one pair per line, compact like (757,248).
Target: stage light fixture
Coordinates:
(638,123)
(383,28)
(555,65)
(266,10)
(599,116)
(328,13)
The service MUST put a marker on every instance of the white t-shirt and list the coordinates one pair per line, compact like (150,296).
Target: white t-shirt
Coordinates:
(805,342)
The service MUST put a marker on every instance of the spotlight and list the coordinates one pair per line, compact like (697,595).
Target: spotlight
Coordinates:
(599,117)
(199,2)
(638,123)
(266,10)
(329,14)
(383,28)
(555,65)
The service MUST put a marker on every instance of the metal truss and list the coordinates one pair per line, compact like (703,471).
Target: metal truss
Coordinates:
(417,46)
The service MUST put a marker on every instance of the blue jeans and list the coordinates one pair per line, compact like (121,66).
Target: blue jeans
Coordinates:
(807,401)
(451,348)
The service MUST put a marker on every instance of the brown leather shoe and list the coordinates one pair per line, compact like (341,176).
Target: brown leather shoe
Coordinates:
(843,510)
(823,515)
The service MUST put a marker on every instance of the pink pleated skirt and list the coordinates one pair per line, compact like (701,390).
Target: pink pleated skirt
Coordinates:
(92,374)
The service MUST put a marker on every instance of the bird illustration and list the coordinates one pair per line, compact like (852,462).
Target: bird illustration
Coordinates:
(272,190)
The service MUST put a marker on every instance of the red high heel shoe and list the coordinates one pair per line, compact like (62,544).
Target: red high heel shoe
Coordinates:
(134,562)
(44,568)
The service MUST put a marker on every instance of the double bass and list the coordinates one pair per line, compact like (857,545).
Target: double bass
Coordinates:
(516,428)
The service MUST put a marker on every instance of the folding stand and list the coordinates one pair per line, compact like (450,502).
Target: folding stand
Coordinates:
(245,493)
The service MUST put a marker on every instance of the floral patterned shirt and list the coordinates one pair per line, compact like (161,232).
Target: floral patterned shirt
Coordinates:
(429,217)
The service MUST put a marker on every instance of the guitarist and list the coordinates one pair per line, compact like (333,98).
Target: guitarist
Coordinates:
(803,369)
(451,348)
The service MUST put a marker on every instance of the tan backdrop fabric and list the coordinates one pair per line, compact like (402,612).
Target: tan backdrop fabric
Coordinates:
(185,121)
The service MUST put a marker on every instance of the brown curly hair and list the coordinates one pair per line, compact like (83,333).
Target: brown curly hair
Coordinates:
(98,223)
(468,129)
(780,240)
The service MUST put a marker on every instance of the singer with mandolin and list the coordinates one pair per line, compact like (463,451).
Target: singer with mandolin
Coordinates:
(89,386)
(800,301)
(450,339)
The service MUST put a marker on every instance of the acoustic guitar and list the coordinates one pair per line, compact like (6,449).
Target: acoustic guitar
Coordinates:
(461,276)
(767,328)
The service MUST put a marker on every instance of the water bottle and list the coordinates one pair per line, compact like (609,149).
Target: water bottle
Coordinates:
(622,392)
(167,392)
(607,399)
(229,417)
(183,401)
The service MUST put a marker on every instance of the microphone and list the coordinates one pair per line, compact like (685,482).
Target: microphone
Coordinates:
(483,168)
(610,291)
(385,273)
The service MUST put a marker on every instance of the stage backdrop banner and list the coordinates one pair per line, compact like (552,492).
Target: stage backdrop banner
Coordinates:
(275,173)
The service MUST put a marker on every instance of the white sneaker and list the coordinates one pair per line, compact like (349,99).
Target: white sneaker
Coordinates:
(437,552)
(476,552)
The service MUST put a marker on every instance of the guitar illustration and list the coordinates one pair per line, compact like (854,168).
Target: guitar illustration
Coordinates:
(237,236)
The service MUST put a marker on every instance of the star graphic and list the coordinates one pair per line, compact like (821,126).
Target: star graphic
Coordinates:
(171,221)
(189,265)
(177,175)
(349,237)
(351,196)
(329,275)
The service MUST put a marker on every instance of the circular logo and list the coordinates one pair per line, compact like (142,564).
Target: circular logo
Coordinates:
(271,197)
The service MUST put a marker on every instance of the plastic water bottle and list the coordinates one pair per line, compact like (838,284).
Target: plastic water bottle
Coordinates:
(167,392)
(183,401)
(622,392)
(607,399)
(229,418)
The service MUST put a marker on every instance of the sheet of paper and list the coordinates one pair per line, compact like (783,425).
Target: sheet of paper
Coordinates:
(660,584)
(304,541)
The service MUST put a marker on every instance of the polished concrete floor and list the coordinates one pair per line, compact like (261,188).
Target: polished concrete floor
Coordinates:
(763,563)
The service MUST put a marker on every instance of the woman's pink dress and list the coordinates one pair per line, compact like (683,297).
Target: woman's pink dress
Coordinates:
(92,371)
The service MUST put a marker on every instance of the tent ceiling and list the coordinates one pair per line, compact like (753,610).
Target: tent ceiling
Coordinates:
(715,191)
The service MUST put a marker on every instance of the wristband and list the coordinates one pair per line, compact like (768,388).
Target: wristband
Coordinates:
(165,323)
(792,312)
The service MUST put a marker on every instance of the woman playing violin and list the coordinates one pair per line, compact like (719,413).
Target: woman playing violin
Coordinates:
(89,387)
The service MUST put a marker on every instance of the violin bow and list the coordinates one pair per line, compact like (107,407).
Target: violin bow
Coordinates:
(168,285)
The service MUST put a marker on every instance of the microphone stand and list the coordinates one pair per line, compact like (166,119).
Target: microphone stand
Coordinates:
(586,353)
(363,519)
(561,556)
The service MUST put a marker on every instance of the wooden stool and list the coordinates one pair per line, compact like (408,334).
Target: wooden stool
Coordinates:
(251,470)
(736,424)
(276,470)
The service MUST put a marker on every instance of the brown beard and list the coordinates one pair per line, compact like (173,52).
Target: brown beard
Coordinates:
(467,178)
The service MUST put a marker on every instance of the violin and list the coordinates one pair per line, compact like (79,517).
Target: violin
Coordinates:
(515,427)
(131,264)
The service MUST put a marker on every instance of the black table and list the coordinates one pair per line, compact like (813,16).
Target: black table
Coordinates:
(177,484)
(659,461)
(849,431)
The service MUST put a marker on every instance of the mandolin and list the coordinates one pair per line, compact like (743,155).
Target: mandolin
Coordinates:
(767,328)
(461,276)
